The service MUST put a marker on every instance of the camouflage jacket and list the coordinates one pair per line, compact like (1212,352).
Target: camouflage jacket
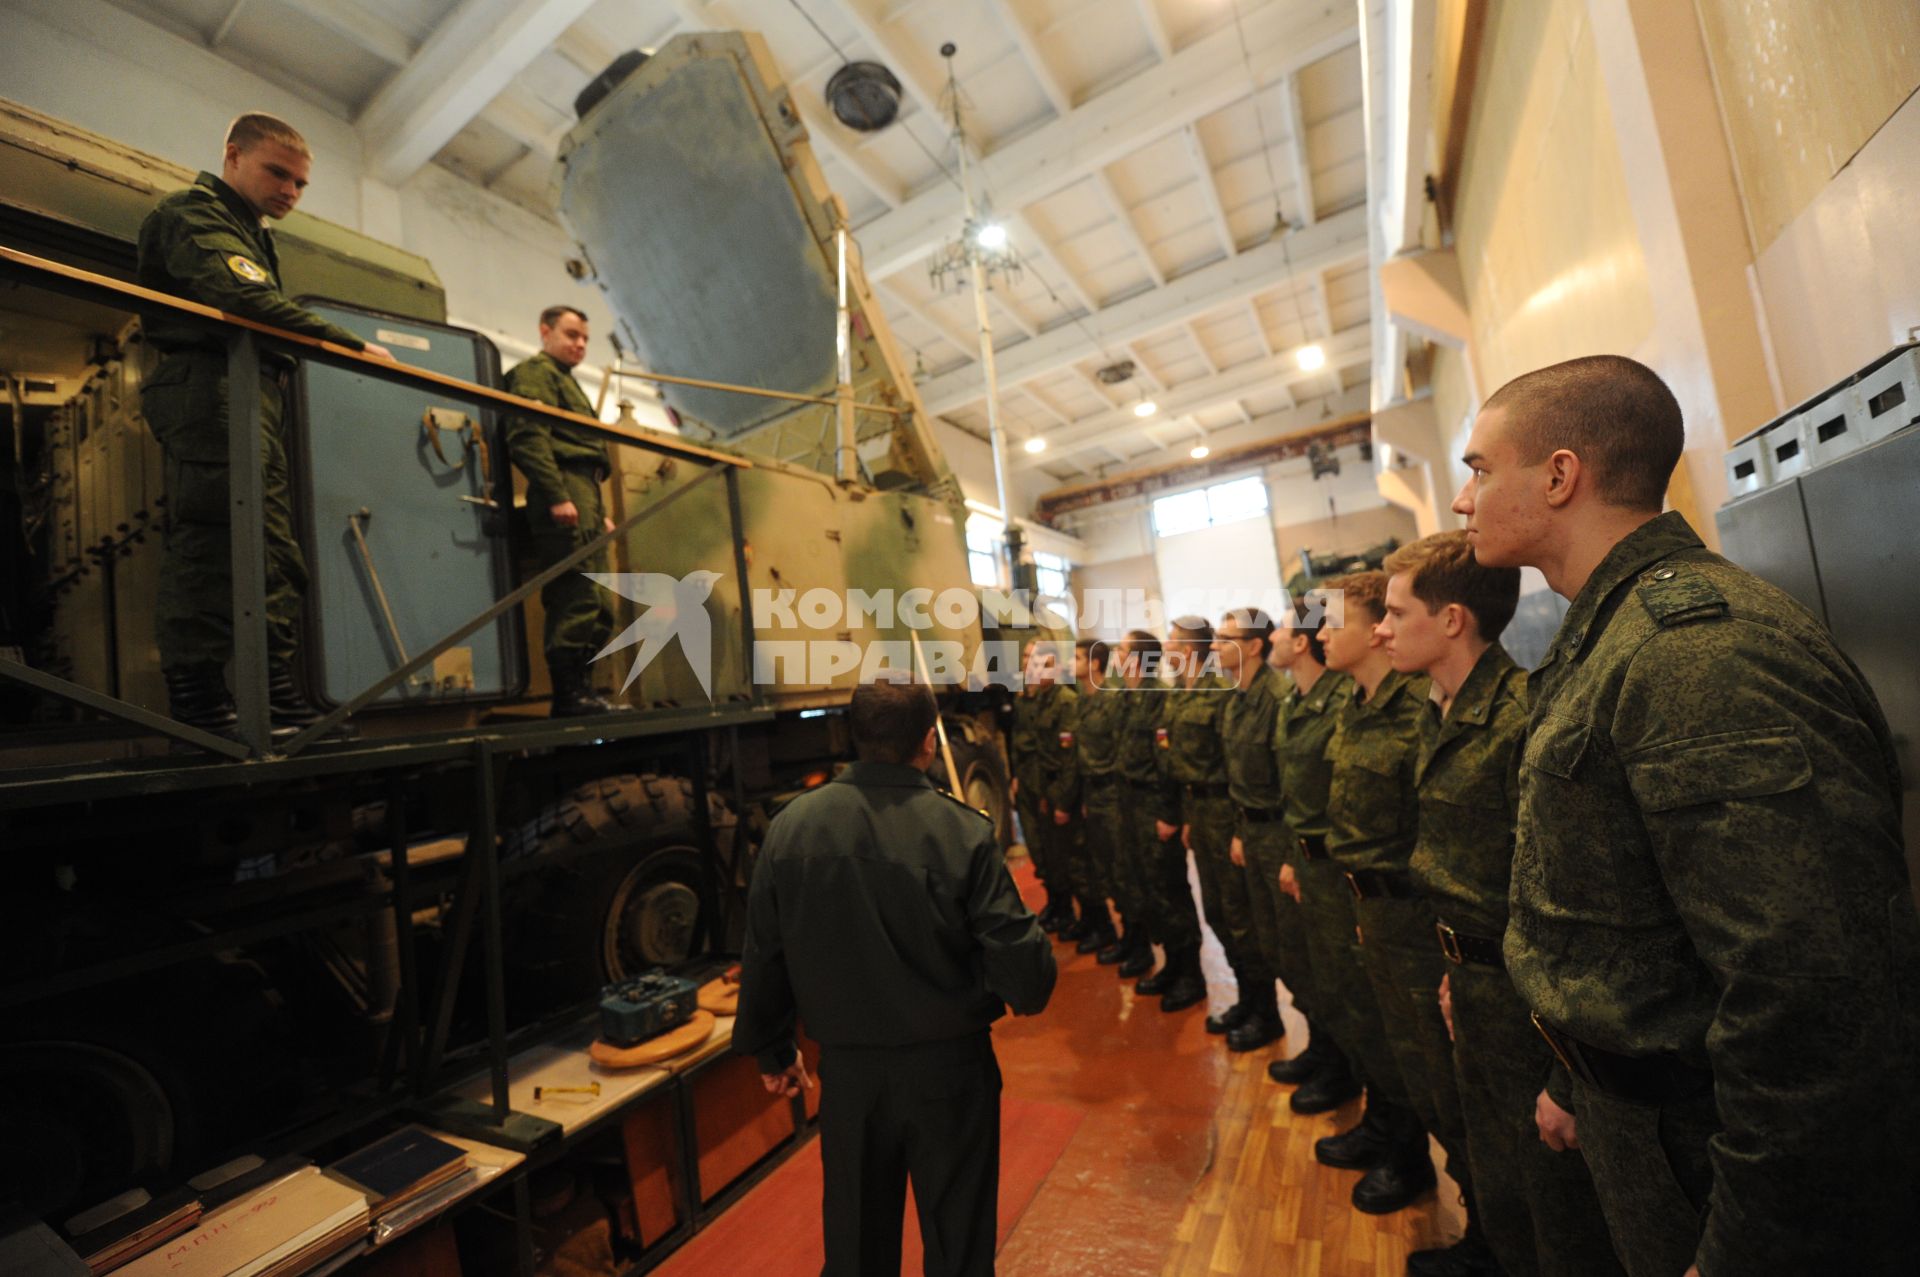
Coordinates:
(1188,733)
(1300,737)
(540,448)
(1142,762)
(206,245)
(1372,813)
(1246,730)
(1102,723)
(1709,863)
(1468,779)
(1024,742)
(1057,747)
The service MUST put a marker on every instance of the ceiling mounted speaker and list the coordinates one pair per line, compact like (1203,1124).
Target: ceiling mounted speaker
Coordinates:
(607,81)
(864,96)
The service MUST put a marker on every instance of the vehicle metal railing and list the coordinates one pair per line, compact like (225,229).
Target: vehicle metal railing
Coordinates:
(246,341)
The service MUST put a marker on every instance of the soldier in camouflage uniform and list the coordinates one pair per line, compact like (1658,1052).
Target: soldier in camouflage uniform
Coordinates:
(1310,880)
(210,244)
(1058,762)
(1372,816)
(1259,840)
(1711,912)
(1103,712)
(564,466)
(1153,815)
(1537,1207)
(1029,783)
(1195,760)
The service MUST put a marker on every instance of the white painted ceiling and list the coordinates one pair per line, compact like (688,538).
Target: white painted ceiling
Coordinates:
(1184,179)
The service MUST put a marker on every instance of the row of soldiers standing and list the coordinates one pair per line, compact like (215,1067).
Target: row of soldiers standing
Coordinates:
(1352,828)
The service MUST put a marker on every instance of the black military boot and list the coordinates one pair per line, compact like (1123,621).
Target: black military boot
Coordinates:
(1188,986)
(1262,1025)
(1293,1072)
(197,695)
(1326,1090)
(1136,959)
(1158,983)
(1100,932)
(1237,1014)
(573,695)
(1363,1147)
(288,708)
(1468,1257)
(1403,1175)
(1074,930)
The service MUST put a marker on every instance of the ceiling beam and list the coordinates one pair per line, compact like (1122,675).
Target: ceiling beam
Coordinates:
(528,121)
(1030,52)
(962,341)
(227,20)
(1210,189)
(1156,28)
(1348,349)
(1336,241)
(362,27)
(1123,217)
(471,56)
(1282,37)
(1303,214)
(1199,344)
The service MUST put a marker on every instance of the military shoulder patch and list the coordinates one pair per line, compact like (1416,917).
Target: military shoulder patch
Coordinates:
(1675,594)
(245,269)
(1066,740)
(1162,739)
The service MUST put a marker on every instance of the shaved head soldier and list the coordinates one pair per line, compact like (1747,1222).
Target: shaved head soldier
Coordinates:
(1711,917)
(210,243)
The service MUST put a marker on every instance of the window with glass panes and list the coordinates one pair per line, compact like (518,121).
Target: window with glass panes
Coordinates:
(1228,502)
(984,534)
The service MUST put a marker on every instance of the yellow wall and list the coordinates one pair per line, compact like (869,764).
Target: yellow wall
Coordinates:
(1545,233)
(1803,84)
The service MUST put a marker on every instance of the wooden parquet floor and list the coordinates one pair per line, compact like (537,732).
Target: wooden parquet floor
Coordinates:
(1188,1161)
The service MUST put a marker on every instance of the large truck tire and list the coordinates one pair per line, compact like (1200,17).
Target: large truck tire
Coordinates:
(629,887)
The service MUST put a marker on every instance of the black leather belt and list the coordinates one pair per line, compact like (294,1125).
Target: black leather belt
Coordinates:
(1312,846)
(1262,815)
(1462,948)
(1381,884)
(1638,1079)
(1204,788)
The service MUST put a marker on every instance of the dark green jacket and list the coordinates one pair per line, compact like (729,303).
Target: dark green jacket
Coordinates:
(1468,777)
(206,245)
(541,448)
(882,914)
(1101,725)
(1142,761)
(1023,743)
(1246,731)
(1300,737)
(1373,816)
(1058,732)
(1193,750)
(1710,864)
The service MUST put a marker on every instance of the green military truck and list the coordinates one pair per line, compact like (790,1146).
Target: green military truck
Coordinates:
(211,947)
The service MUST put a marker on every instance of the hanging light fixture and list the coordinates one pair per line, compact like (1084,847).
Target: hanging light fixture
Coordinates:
(1145,408)
(1312,357)
(1036,444)
(1199,452)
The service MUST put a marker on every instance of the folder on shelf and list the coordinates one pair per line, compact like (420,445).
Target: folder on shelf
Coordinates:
(401,1167)
(279,1229)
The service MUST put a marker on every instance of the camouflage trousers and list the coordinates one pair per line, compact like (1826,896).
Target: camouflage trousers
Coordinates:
(579,617)
(1278,923)
(1069,860)
(1102,838)
(1036,829)
(1223,887)
(1402,957)
(1346,1007)
(1537,1207)
(1162,865)
(1653,1174)
(185,404)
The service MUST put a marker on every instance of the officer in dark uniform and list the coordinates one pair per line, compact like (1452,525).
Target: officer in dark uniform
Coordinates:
(1711,914)
(1029,787)
(1103,710)
(882,916)
(210,244)
(1534,1212)
(1153,818)
(564,466)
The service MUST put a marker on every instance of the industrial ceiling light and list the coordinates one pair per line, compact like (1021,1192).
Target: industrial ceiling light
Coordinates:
(1145,408)
(991,236)
(1036,444)
(1199,452)
(864,96)
(1312,358)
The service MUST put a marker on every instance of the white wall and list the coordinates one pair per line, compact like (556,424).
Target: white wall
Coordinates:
(95,65)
